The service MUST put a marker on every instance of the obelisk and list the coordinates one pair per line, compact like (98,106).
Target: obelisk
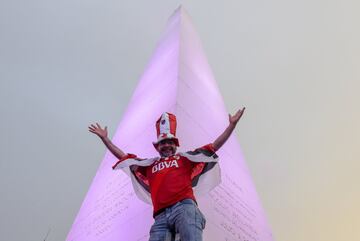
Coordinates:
(177,79)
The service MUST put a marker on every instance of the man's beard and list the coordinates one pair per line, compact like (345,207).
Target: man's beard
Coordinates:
(167,151)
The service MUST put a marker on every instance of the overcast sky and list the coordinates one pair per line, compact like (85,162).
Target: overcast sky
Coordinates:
(295,65)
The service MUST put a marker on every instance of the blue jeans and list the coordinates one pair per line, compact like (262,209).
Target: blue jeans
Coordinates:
(183,218)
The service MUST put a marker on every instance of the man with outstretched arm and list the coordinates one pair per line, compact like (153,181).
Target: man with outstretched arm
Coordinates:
(167,181)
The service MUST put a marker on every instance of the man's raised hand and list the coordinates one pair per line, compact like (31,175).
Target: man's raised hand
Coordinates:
(100,132)
(235,118)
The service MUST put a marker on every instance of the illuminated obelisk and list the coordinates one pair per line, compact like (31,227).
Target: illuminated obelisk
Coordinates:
(177,79)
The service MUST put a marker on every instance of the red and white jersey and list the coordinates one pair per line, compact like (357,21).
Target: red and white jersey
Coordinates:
(172,179)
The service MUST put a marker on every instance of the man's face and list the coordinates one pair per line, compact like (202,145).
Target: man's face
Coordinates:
(166,148)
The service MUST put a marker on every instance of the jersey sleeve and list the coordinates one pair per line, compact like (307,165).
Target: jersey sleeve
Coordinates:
(139,173)
(202,154)
(209,148)
(198,167)
(138,167)
(128,156)
(205,172)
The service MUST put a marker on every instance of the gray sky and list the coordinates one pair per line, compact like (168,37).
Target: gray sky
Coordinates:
(295,65)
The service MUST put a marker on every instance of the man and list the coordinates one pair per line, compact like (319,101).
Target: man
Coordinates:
(169,179)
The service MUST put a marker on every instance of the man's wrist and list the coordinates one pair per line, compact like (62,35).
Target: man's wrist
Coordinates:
(232,125)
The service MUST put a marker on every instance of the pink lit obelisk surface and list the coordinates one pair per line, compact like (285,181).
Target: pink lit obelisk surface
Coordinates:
(178,79)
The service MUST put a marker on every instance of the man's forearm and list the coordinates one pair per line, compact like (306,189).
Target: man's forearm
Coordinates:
(224,136)
(112,148)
